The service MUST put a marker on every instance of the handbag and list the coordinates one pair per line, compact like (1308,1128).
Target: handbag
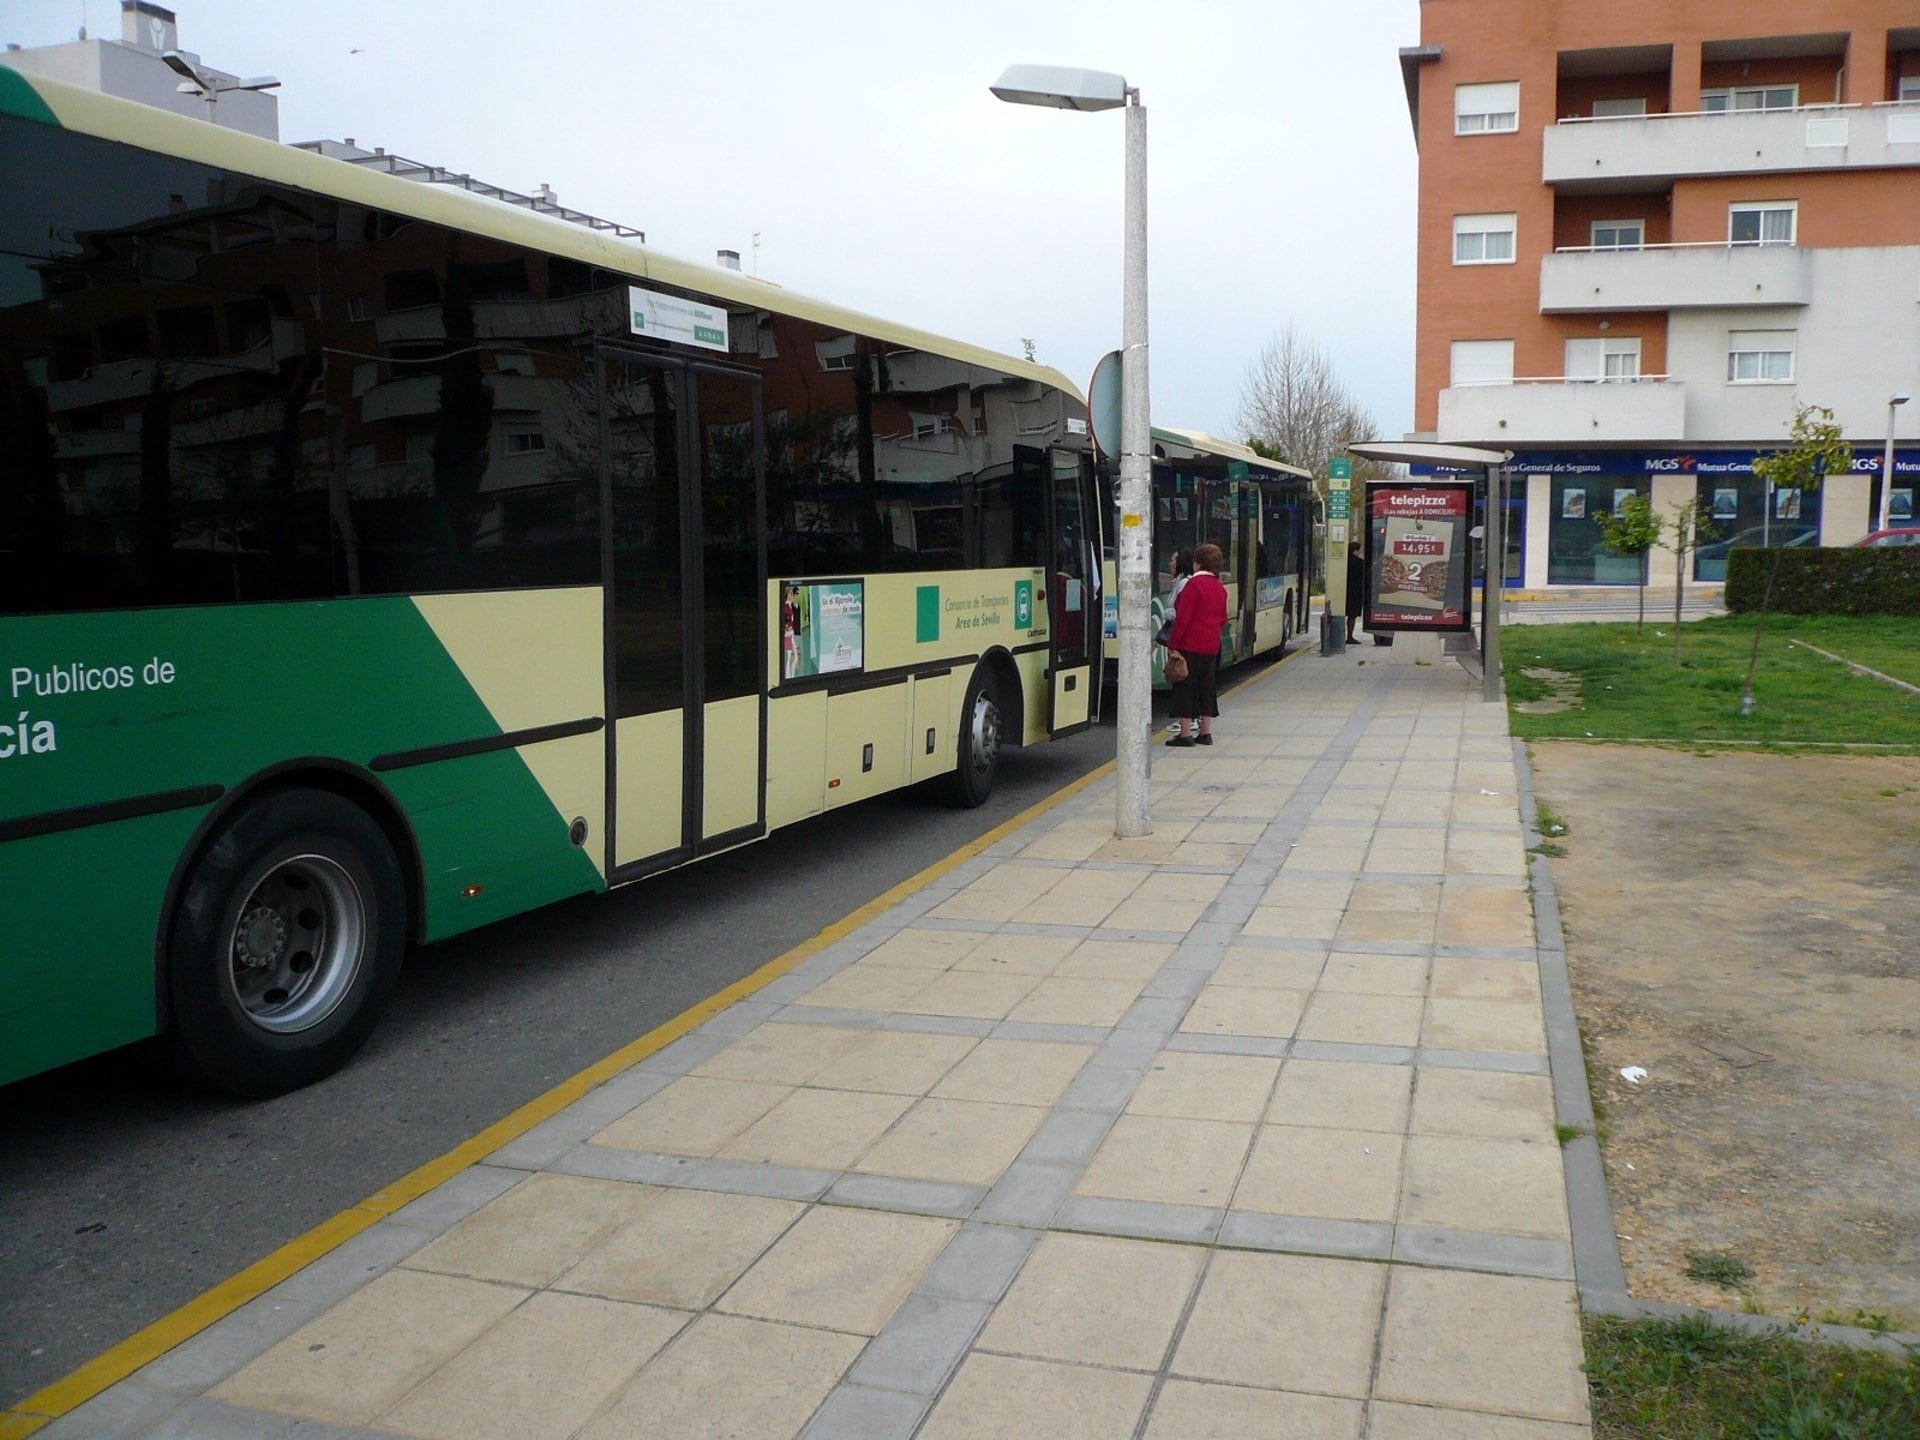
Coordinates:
(1176,667)
(1164,635)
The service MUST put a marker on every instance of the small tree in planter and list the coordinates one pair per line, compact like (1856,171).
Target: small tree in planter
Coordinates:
(1634,529)
(1682,533)
(1816,449)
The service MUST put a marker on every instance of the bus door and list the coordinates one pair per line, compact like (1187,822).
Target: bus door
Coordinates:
(683,476)
(1075,600)
(1246,564)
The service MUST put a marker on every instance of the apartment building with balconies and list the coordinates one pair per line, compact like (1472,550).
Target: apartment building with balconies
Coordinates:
(1647,232)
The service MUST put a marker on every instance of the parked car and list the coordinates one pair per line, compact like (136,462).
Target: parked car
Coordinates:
(1710,561)
(1896,535)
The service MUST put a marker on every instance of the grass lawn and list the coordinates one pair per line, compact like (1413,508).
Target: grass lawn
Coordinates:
(1688,1380)
(1630,688)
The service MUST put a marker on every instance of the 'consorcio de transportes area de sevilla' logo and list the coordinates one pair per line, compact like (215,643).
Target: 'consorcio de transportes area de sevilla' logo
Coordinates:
(1023,604)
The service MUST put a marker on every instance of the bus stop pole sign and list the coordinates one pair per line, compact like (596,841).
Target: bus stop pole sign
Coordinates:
(1333,628)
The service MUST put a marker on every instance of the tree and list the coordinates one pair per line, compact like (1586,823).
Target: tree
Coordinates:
(1684,530)
(1294,408)
(1634,529)
(1816,449)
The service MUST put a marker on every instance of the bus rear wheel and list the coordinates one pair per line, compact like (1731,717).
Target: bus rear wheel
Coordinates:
(286,944)
(978,758)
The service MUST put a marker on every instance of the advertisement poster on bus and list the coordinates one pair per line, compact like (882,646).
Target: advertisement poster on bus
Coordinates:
(823,627)
(1419,557)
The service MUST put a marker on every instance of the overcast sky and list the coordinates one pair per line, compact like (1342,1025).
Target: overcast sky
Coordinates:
(859,141)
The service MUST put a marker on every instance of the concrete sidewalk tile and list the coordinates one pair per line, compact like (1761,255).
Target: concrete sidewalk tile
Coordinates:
(1206,1087)
(1017,954)
(687,1249)
(214,1420)
(840,1269)
(360,1358)
(1195,1410)
(124,1411)
(1492,1106)
(779,1054)
(1325,1174)
(1206,854)
(1129,960)
(1181,1224)
(895,1062)
(1095,1300)
(1362,1019)
(683,1054)
(854,1412)
(540,1374)
(926,1339)
(819,1129)
(921,947)
(1470,1250)
(1413,927)
(536,1230)
(1287,1322)
(730,1379)
(1298,1235)
(1026,1072)
(1270,969)
(1292,922)
(1425,1422)
(1506,1062)
(200,1363)
(996,1397)
(1245,1010)
(880,988)
(1483,1342)
(965,1142)
(1509,1186)
(1028,1194)
(1174,1162)
(1330,1094)
(552,1138)
(348,1266)
(1358,974)
(1059,1000)
(980,1262)
(1482,928)
(693,1116)
(1369,895)
(1514,981)
(972,993)
(1484,1025)
(834,1017)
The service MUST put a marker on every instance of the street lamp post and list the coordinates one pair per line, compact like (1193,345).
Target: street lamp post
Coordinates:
(1894,402)
(1063,88)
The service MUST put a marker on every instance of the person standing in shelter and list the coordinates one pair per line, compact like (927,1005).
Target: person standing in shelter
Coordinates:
(1356,586)
(1199,616)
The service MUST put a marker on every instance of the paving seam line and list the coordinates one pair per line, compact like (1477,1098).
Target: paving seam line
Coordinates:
(1598,1269)
(118,1362)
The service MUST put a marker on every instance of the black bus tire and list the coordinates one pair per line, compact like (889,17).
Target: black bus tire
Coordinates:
(977,758)
(286,944)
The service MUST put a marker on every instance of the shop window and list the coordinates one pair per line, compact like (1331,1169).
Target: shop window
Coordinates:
(1483,239)
(1486,109)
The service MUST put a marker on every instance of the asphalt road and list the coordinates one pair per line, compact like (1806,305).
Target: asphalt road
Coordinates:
(124,1193)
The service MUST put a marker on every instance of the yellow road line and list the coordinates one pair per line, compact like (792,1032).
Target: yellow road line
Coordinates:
(113,1366)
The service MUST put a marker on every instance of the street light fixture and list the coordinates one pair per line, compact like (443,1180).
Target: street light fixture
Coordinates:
(1894,402)
(208,85)
(1065,88)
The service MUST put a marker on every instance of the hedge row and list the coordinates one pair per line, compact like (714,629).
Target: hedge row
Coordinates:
(1880,581)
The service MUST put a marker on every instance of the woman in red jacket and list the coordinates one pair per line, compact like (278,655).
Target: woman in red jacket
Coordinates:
(1199,617)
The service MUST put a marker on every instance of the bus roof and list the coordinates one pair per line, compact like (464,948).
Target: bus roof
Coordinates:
(1202,443)
(70,107)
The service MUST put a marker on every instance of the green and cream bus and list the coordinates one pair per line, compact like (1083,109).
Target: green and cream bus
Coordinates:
(1258,511)
(378,560)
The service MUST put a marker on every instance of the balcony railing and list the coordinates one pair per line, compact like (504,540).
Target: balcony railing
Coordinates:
(1626,152)
(1713,276)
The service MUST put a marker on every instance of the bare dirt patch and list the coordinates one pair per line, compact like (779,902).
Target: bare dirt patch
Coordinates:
(1747,927)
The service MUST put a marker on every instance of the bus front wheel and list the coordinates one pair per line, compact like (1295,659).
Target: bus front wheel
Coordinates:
(978,760)
(286,944)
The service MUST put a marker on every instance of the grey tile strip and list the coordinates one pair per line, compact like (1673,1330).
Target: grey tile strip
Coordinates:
(1193,1043)
(1474,1250)
(216,1420)
(855,1412)
(980,1262)
(921,1345)
(914,1197)
(1505,1061)
(1596,1244)
(1140,1219)
(122,1412)
(1303,1235)
(215,1353)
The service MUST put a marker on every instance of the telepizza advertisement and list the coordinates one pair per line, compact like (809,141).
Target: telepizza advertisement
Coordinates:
(1419,556)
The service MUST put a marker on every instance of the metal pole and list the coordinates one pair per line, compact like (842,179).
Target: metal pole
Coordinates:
(1886,469)
(1490,689)
(1134,803)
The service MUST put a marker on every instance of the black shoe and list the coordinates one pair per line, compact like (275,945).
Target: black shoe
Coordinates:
(1203,739)
(1182,742)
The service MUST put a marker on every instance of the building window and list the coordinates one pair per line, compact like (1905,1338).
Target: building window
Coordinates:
(1486,109)
(1483,239)
(1607,357)
(1762,222)
(1482,362)
(1750,97)
(1620,109)
(525,442)
(1910,87)
(1759,357)
(1619,234)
